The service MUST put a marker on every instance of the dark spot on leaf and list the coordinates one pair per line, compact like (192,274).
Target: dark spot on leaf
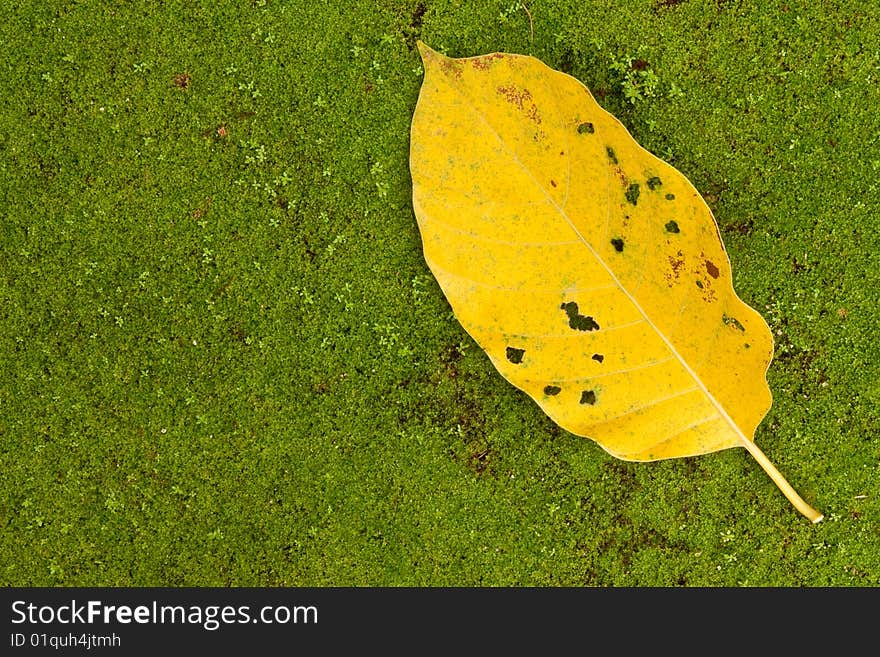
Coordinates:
(700,284)
(578,321)
(586,128)
(672,227)
(712,269)
(552,390)
(670,197)
(748,346)
(632,193)
(617,243)
(515,355)
(553,182)
(611,155)
(654,183)
(732,321)
(588,397)
(598,358)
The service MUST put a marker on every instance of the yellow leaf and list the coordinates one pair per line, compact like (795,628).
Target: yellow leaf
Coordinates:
(591,272)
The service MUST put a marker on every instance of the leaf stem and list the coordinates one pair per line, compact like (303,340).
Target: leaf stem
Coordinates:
(811,513)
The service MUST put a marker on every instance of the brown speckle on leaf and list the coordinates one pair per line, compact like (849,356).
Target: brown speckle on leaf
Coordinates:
(522,99)
(451,67)
(533,114)
(712,269)
(675,264)
(512,95)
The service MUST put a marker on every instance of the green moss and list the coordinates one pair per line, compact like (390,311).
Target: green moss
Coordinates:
(224,361)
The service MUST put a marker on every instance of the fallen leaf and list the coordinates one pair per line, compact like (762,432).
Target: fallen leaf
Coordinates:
(591,272)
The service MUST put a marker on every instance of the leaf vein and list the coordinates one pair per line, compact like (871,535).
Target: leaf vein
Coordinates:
(647,405)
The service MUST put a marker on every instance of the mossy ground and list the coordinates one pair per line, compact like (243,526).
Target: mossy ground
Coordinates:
(223,360)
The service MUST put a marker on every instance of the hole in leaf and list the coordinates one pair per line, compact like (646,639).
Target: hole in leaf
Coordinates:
(654,183)
(632,193)
(670,197)
(577,321)
(611,154)
(588,397)
(732,321)
(598,358)
(586,128)
(515,355)
(672,227)
(700,284)
(617,243)
(552,390)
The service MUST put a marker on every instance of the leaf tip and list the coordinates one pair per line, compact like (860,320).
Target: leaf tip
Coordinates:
(425,51)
